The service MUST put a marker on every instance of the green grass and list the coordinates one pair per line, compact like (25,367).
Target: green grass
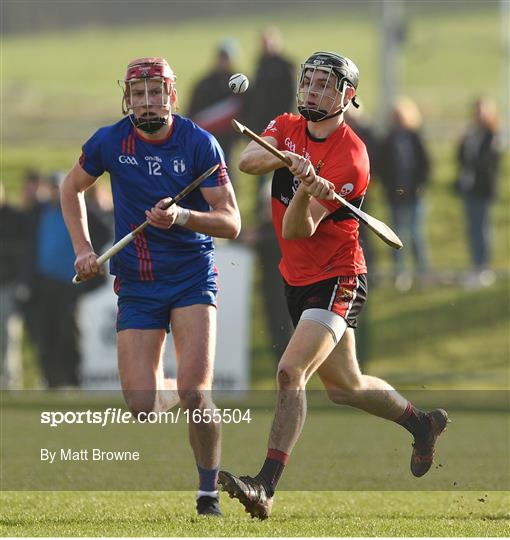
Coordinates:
(432,336)
(295,514)
(358,493)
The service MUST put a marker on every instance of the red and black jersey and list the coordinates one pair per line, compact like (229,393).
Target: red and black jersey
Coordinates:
(341,158)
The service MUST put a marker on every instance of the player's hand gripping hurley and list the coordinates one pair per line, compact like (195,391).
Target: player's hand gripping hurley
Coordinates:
(378,227)
(123,242)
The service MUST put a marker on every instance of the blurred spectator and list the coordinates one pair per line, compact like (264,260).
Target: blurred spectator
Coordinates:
(365,131)
(12,245)
(273,90)
(212,104)
(405,168)
(35,191)
(52,296)
(478,159)
(360,123)
(265,244)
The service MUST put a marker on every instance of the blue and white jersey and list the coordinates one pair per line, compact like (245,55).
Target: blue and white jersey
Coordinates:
(142,172)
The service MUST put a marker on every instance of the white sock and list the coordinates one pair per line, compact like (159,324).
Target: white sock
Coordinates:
(201,493)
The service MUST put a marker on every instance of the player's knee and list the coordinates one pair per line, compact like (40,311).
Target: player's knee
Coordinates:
(141,403)
(194,399)
(290,377)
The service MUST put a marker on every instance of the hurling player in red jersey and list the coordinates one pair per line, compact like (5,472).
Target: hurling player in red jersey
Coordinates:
(324,273)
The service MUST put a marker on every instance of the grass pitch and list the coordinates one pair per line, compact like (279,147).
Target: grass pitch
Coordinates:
(473,455)
(295,514)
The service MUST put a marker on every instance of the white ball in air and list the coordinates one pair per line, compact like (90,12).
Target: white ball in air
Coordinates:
(238,83)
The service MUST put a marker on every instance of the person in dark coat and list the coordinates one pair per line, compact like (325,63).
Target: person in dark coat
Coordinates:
(213,105)
(404,167)
(12,246)
(272,91)
(478,160)
(52,297)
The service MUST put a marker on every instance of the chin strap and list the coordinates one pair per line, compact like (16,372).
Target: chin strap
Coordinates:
(318,115)
(149,126)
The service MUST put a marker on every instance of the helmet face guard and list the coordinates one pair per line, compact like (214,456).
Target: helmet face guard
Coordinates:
(322,79)
(149,83)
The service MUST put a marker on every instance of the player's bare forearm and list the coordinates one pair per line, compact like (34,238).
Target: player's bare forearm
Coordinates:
(256,160)
(298,221)
(219,222)
(303,215)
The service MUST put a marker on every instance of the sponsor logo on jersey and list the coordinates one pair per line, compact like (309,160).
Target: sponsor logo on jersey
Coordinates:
(179,165)
(290,144)
(271,126)
(128,160)
(346,189)
(153,158)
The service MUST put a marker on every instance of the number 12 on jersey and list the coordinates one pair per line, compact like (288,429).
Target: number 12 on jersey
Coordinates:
(154,167)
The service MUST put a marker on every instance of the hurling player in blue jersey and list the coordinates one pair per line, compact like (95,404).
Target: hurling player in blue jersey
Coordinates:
(166,277)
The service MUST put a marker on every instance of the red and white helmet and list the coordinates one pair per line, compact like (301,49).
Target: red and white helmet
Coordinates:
(148,69)
(154,67)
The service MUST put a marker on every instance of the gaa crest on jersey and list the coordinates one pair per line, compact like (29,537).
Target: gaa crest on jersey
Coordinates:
(127,160)
(178,165)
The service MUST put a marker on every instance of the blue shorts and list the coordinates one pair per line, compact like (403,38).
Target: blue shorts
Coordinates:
(146,305)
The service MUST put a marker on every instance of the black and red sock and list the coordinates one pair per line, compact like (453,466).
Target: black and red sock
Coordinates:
(272,470)
(414,420)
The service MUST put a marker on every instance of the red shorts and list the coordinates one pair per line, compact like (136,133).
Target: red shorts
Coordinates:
(344,295)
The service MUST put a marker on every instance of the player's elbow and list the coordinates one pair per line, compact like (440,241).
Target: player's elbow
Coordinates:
(234,230)
(288,234)
(233,227)
(68,190)
(251,162)
(245,164)
(294,233)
